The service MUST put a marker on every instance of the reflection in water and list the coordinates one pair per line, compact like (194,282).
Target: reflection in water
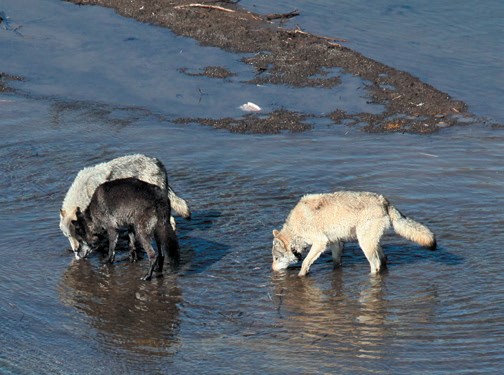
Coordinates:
(371,317)
(342,317)
(333,315)
(128,313)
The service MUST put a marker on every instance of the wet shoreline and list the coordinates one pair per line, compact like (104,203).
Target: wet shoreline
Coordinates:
(294,58)
(298,59)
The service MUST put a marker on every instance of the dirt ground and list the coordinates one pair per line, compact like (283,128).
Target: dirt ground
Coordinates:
(296,58)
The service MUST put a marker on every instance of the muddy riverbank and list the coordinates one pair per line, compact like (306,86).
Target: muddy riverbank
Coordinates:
(296,58)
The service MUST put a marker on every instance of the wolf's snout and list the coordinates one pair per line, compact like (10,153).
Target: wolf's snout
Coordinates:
(279,265)
(82,251)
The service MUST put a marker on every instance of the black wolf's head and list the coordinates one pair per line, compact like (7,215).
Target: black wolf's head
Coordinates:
(80,231)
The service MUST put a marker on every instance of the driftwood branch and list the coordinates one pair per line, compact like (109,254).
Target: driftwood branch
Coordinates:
(298,30)
(276,16)
(196,5)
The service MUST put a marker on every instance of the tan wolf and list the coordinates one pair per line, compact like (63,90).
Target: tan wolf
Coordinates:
(330,220)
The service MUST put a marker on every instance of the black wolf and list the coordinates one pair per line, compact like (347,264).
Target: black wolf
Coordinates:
(137,206)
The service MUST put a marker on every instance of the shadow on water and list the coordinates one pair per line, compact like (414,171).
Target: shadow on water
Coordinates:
(198,253)
(410,254)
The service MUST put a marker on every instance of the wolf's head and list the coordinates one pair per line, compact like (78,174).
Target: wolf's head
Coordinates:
(66,218)
(78,230)
(283,256)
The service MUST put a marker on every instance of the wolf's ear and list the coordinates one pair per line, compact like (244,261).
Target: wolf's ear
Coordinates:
(282,238)
(62,213)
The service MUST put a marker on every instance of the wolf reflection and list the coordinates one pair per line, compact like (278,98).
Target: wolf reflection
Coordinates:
(142,318)
(341,315)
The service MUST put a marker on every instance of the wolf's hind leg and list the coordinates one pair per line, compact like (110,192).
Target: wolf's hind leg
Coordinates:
(316,250)
(336,250)
(172,247)
(153,264)
(375,257)
(161,243)
(369,236)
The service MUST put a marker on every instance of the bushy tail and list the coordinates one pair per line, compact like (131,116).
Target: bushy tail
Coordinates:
(178,204)
(411,230)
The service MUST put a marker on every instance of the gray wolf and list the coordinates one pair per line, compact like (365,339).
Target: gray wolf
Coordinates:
(330,220)
(141,208)
(144,168)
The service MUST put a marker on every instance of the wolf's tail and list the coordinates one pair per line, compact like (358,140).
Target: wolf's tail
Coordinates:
(410,229)
(178,204)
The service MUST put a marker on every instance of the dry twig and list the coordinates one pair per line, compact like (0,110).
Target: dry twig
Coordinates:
(196,5)
(275,16)
(298,30)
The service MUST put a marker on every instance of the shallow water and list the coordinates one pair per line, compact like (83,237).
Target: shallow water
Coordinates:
(223,310)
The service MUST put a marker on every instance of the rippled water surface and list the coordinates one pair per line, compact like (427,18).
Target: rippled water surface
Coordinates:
(223,310)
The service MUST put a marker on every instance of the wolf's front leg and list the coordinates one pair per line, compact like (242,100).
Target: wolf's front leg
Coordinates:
(316,250)
(113,236)
(133,255)
(145,242)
